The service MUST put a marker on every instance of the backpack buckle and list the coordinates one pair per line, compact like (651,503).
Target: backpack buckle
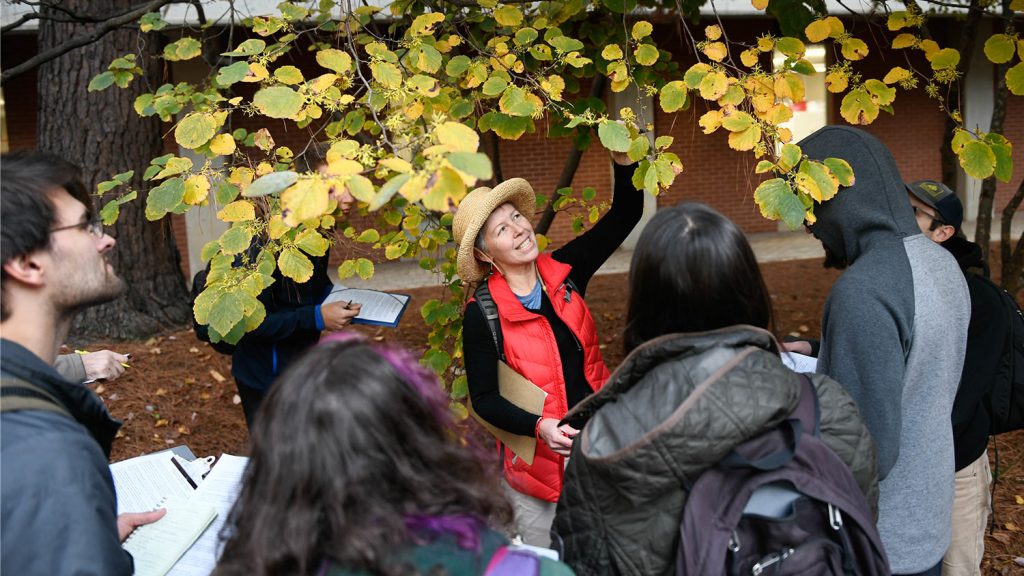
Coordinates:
(835,518)
(734,542)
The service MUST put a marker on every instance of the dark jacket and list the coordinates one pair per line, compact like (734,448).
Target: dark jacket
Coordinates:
(893,333)
(985,336)
(649,433)
(59,511)
(292,324)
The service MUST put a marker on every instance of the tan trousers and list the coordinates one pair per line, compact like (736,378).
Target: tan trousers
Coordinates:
(972,502)
(533,517)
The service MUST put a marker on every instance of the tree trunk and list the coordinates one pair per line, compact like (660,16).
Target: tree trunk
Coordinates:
(101,132)
(572,163)
(1013,260)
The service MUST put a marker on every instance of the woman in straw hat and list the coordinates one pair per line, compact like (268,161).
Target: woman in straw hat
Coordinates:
(546,331)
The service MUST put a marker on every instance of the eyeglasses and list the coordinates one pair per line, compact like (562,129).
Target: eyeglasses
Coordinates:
(94,227)
(933,217)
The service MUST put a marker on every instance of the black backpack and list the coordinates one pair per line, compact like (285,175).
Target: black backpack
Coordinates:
(1006,401)
(202,331)
(780,503)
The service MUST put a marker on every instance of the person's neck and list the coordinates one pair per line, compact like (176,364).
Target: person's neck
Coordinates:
(522,279)
(40,334)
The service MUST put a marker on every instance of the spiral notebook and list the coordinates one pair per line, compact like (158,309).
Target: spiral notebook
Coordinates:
(156,547)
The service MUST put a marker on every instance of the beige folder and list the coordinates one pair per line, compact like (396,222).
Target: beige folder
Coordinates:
(525,394)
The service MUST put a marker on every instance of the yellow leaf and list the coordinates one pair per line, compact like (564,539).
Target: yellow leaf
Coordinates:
(611,52)
(759,4)
(929,47)
(257,73)
(713,32)
(749,58)
(789,86)
(785,135)
(1018,499)
(716,51)
(508,16)
(196,189)
(836,81)
(237,211)
(641,30)
(342,167)
(457,137)
(779,114)
(854,49)
(396,164)
(836,25)
(714,85)
(765,44)
(222,145)
(897,74)
(710,121)
(241,177)
(305,200)
(818,30)
(745,140)
(1012,527)
(904,40)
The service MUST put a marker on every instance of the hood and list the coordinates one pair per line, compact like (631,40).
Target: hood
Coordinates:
(875,209)
(968,254)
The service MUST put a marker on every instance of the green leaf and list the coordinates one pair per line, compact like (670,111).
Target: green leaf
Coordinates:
(646,55)
(977,159)
(295,265)
(235,240)
(387,74)
(614,136)
(270,184)
(826,184)
(999,48)
(663,142)
(695,74)
(638,148)
(508,127)
(804,67)
(195,130)
(509,16)
(641,30)
(360,187)
(364,268)
(101,81)
(517,102)
(674,97)
(250,47)
(312,243)
(881,94)
(278,102)
(714,85)
(226,312)
(369,236)
(1015,79)
(945,59)
(790,46)
(475,164)
(229,75)
(777,201)
(525,36)
(334,60)
(737,121)
(789,157)
(183,49)
(495,85)
(857,107)
(1004,161)
(111,210)
(457,66)
(387,191)
(164,198)
(288,75)
(763,166)
(842,170)
(564,44)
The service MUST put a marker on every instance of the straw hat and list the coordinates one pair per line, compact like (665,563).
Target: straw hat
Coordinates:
(474,210)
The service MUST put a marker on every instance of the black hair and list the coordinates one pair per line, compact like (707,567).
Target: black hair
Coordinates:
(26,211)
(693,271)
(353,447)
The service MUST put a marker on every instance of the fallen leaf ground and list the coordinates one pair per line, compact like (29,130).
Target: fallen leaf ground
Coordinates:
(180,391)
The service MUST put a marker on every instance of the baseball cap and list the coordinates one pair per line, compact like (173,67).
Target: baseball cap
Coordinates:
(941,199)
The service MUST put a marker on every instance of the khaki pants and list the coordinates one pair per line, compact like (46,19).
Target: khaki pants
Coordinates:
(533,517)
(972,502)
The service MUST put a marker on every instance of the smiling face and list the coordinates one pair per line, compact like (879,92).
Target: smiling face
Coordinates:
(80,275)
(509,238)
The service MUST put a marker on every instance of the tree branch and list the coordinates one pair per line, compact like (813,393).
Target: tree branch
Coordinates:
(79,41)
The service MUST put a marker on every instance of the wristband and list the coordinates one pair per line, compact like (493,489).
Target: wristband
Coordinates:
(536,428)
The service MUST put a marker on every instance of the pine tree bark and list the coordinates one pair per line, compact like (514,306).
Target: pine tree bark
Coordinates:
(101,133)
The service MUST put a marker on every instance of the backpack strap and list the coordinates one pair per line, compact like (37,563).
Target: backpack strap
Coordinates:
(511,562)
(483,297)
(19,395)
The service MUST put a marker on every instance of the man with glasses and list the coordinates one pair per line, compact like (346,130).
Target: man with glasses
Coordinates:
(57,502)
(939,216)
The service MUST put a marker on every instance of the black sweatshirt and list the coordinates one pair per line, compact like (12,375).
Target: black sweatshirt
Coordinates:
(585,254)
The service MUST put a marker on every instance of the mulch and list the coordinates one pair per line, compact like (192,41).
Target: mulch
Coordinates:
(180,391)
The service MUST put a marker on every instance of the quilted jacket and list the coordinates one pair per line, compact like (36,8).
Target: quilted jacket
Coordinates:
(675,406)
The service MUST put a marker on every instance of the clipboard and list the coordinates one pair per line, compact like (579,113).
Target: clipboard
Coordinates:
(513,387)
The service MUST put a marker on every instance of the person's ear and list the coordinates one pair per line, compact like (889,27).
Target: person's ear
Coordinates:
(25,269)
(943,233)
(482,256)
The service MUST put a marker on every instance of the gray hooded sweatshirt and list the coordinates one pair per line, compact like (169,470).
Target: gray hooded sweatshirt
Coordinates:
(894,332)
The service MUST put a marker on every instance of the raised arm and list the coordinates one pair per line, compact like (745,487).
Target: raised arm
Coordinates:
(591,250)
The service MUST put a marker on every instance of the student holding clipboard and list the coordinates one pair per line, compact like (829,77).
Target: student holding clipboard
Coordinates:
(543,330)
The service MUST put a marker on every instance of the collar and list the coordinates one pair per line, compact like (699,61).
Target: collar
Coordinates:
(552,273)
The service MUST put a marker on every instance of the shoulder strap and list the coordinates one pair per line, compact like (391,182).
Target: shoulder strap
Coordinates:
(483,297)
(510,562)
(18,395)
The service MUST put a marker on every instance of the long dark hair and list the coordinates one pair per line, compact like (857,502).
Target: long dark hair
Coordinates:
(354,457)
(692,271)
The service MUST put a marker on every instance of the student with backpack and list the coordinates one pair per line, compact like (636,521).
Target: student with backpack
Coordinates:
(357,468)
(703,391)
(529,312)
(987,361)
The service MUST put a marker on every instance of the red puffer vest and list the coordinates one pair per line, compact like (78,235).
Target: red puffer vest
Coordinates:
(531,350)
